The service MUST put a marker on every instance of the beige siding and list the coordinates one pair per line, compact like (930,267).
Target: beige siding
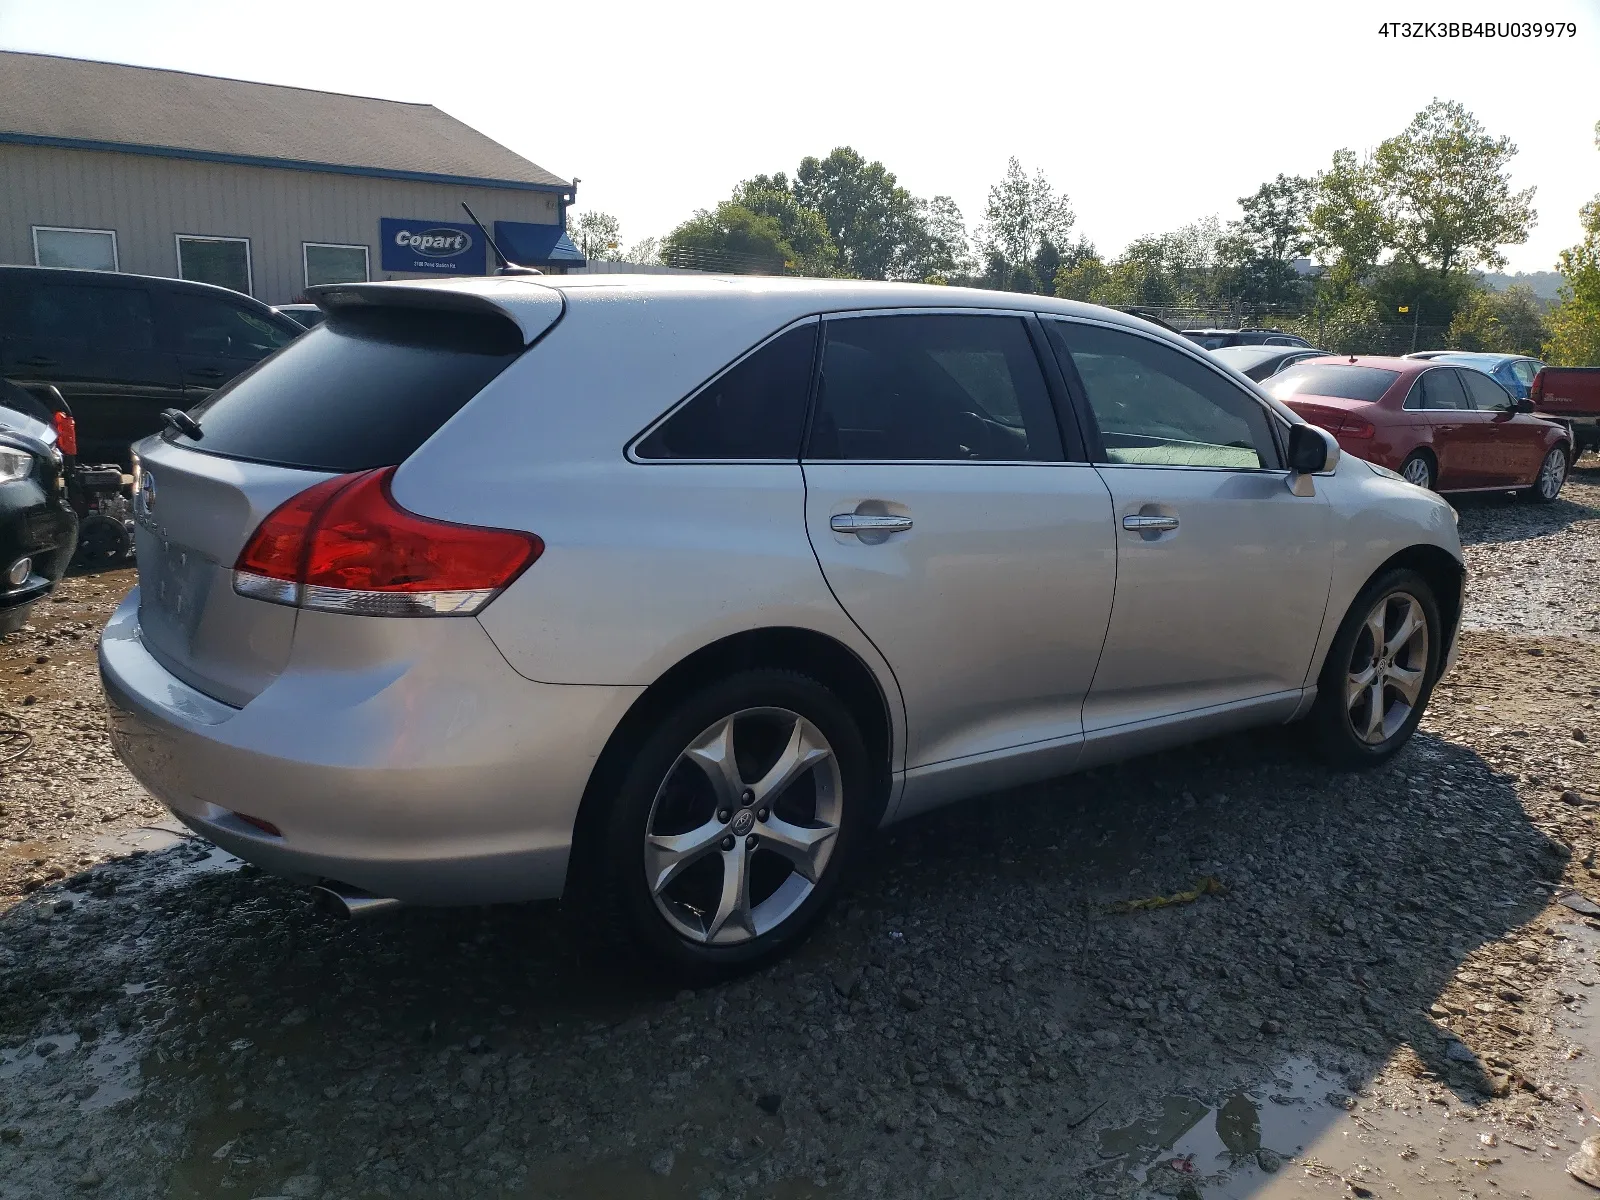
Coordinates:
(149,200)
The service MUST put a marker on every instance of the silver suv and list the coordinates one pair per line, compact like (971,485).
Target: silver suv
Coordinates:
(660,594)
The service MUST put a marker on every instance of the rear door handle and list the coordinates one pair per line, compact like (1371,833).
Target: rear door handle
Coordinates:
(1148,523)
(859,523)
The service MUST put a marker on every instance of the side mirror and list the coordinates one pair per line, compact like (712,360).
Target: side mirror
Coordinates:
(1311,451)
(1523,405)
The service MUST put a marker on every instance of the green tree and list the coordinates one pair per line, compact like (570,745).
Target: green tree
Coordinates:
(729,238)
(1271,235)
(804,233)
(1575,322)
(877,225)
(1349,225)
(936,245)
(1084,276)
(1508,322)
(1448,192)
(1022,217)
(597,234)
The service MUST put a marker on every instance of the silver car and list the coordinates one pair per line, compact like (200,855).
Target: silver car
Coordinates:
(659,594)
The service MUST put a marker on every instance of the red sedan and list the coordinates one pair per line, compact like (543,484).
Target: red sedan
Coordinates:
(1452,429)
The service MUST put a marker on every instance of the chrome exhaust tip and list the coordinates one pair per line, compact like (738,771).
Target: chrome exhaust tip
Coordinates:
(348,903)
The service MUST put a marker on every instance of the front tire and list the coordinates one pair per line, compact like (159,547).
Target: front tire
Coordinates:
(1551,479)
(732,828)
(1380,671)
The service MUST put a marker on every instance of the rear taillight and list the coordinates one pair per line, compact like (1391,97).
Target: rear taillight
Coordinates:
(66,432)
(1355,428)
(1536,392)
(344,545)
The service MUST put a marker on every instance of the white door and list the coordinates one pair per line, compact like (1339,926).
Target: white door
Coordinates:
(953,533)
(1222,572)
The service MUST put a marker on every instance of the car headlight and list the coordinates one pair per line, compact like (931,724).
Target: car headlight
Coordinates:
(14,464)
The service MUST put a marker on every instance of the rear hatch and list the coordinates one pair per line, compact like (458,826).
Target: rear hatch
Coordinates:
(364,389)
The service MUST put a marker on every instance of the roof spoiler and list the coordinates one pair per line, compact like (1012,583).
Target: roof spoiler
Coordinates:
(531,307)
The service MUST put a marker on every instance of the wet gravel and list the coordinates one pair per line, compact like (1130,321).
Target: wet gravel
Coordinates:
(1383,992)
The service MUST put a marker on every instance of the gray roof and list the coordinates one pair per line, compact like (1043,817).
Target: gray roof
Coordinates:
(73,101)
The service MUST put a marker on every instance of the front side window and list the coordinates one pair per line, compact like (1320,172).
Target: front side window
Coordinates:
(326,263)
(85,249)
(113,318)
(1156,406)
(935,386)
(212,326)
(754,410)
(1485,394)
(221,261)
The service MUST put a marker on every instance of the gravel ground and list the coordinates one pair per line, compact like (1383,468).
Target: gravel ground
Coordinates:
(1382,993)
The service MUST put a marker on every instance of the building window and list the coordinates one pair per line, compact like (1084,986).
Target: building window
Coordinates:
(328,262)
(87,249)
(223,261)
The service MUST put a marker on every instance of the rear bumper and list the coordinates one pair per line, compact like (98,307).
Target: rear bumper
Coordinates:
(442,778)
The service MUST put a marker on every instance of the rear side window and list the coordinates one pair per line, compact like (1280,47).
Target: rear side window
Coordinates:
(364,389)
(935,387)
(756,409)
(209,325)
(115,318)
(1438,389)
(1333,379)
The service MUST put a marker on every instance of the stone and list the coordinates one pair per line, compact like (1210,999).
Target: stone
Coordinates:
(1268,1161)
(1106,1039)
(1271,1028)
(662,1163)
(1585,1164)
(1460,1052)
(770,1102)
(910,1000)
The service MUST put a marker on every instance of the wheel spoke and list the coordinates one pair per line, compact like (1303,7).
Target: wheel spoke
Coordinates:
(1374,729)
(1409,625)
(1407,681)
(1375,623)
(733,909)
(803,845)
(665,856)
(713,754)
(1357,683)
(805,750)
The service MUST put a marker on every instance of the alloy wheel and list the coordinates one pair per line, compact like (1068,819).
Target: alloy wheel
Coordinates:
(1418,472)
(743,826)
(1388,667)
(1553,474)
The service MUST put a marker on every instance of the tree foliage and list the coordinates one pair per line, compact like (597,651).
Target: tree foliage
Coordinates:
(1448,192)
(597,234)
(1508,322)
(1575,323)
(729,238)
(881,230)
(1024,223)
(1272,234)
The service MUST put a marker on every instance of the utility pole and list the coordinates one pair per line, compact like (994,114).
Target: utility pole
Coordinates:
(1415,318)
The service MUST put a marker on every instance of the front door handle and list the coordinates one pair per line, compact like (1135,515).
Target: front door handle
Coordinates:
(1148,523)
(868,523)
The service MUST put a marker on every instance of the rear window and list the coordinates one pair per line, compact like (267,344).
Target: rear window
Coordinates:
(1333,379)
(364,389)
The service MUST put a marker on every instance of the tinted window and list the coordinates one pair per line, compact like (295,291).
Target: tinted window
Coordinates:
(932,387)
(364,389)
(1484,392)
(1438,389)
(113,318)
(1333,379)
(210,325)
(755,410)
(1156,406)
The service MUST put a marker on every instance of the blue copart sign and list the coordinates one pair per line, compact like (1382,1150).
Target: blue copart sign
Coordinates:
(432,247)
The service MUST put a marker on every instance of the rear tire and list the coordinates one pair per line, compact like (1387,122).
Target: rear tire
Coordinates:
(1419,469)
(1551,479)
(702,870)
(1373,691)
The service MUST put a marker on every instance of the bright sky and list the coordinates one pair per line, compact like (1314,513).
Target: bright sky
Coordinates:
(1148,114)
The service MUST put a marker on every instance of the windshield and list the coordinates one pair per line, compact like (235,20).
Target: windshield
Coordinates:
(1333,379)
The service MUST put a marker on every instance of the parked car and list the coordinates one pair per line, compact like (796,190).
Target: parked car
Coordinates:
(660,593)
(1260,362)
(307,316)
(1448,428)
(1514,372)
(124,347)
(38,528)
(1215,339)
(1570,395)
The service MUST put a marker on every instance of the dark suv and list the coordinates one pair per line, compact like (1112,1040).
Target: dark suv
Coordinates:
(1215,339)
(123,347)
